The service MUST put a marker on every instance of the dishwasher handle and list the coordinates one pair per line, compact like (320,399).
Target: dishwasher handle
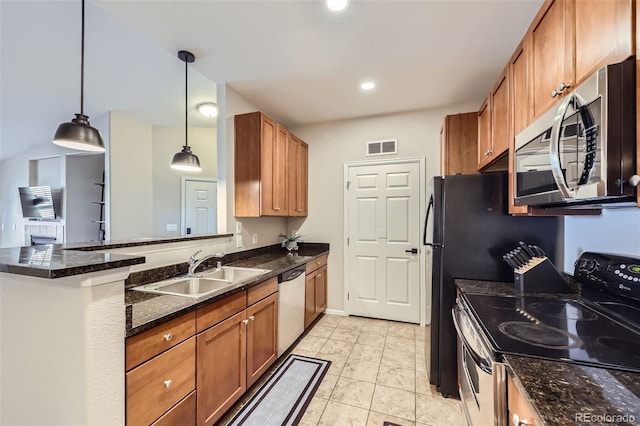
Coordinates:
(291,274)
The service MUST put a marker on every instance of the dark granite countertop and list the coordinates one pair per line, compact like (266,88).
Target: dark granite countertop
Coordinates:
(53,261)
(147,310)
(566,394)
(106,245)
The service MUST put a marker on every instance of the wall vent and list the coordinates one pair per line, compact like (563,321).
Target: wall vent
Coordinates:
(382,147)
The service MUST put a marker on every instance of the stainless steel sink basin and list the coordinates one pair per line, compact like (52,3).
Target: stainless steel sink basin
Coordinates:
(209,282)
(234,274)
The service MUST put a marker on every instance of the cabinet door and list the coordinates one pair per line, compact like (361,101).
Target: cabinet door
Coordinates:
(459,144)
(321,289)
(484,134)
(298,176)
(551,54)
(500,126)
(273,168)
(221,367)
(518,95)
(603,34)
(309,299)
(262,337)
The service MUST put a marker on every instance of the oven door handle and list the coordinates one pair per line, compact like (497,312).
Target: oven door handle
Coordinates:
(554,147)
(477,359)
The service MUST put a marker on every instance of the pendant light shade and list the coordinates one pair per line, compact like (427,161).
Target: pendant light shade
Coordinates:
(185,160)
(78,133)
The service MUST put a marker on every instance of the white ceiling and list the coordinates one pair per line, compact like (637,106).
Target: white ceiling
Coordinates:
(294,59)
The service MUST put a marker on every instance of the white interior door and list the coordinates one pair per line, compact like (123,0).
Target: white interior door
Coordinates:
(383,275)
(201,215)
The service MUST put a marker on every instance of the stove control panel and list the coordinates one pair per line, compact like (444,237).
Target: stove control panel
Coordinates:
(616,274)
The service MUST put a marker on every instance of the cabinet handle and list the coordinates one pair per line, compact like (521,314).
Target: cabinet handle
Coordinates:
(252,318)
(318,262)
(517,421)
(276,209)
(319,275)
(168,337)
(487,153)
(245,322)
(563,86)
(555,93)
(167,383)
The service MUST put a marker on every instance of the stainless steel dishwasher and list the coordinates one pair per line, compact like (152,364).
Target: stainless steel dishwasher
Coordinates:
(290,307)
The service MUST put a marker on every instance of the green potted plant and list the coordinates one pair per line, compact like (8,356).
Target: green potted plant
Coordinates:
(290,242)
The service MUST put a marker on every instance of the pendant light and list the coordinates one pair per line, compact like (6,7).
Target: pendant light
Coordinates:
(185,160)
(78,133)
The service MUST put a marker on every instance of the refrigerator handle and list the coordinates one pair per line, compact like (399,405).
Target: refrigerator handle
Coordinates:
(426,222)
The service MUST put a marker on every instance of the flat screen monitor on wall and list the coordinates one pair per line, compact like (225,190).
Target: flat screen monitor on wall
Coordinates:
(37,202)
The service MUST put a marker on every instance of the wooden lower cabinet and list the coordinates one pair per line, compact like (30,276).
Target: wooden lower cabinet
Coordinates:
(519,410)
(160,383)
(315,294)
(221,367)
(232,355)
(182,414)
(262,337)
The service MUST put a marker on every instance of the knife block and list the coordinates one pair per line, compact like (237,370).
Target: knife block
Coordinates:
(540,276)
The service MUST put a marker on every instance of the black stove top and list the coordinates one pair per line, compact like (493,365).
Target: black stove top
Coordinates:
(560,329)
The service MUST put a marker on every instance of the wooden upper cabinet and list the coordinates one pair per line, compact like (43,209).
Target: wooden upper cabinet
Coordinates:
(484,134)
(458,144)
(604,34)
(271,168)
(551,54)
(519,102)
(274,170)
(298,176)
(500,125)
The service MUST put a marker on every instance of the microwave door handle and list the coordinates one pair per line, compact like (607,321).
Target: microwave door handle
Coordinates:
(554,147)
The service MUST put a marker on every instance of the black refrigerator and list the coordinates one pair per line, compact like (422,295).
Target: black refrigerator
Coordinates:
(467,230)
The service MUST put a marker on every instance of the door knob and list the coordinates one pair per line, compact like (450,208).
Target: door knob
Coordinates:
(412,251)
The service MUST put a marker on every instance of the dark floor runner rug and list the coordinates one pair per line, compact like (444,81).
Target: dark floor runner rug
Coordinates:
(283,398)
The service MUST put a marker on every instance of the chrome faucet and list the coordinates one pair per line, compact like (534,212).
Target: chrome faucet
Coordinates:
(194,263)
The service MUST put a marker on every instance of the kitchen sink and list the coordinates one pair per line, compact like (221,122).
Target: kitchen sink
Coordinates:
(207,283)
(233,274)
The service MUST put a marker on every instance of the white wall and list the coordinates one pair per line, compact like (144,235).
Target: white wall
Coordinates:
(617,231)
(82,172)
(267,229)
(334,143)
(166,181)
(130,179)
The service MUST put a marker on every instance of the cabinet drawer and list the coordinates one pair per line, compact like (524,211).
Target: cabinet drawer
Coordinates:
(220,310)
(146,345)
(183,414)
(262,290)
(157,385)
(316,263)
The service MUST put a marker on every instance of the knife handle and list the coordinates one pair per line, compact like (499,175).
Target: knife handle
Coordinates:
(527,249)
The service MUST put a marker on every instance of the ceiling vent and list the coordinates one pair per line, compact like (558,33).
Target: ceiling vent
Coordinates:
(382,147)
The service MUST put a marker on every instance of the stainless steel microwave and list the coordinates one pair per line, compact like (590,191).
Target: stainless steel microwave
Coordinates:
(583,152)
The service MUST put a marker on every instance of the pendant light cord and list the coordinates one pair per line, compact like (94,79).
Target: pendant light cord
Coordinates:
(186,104)
(82,65)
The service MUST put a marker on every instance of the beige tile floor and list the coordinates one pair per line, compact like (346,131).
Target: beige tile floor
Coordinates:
(377,375)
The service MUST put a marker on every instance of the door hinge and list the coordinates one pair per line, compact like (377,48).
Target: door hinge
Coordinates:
(347,295)
(348,184)
(347,240)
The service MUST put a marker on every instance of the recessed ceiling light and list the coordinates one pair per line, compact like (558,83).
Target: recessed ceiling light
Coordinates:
(208,109)
(336,5)
(367,85)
